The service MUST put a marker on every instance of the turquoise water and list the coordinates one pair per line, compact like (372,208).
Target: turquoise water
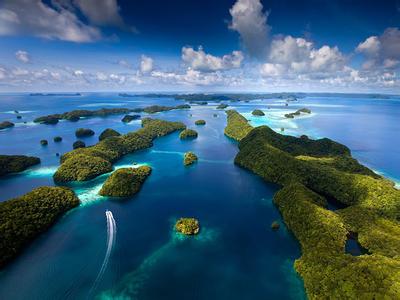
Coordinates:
(235,256)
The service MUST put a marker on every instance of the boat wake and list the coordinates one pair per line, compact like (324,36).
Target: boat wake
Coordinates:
(111,235)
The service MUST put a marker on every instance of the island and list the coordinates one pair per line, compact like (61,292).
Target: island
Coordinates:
(87,163)
(109,132)
(258,113)
(125,182)
(237,126)
(44,142)
(83,132)
(200,122)
(16,163)
(130,118)
(298,113)
(78,144)
(6,124)
(57,139)
(313,173)
(222,106)
(187,226)
(24,218)
(76,115)
(188,134)
(189,158)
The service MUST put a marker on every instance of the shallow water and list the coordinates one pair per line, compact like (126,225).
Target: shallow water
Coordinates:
(235,256)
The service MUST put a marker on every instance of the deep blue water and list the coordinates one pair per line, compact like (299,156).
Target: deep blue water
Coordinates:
(235,256)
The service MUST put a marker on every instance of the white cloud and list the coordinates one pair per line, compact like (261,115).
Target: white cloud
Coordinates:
(382,51)
(250,22)
(146,64)
(101,12)
(201,61)
(39,19)
(290,57)
(125,64)
(22,56)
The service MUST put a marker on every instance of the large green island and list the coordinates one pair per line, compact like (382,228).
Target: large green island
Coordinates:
(87,163)
(24,218)
(313,174)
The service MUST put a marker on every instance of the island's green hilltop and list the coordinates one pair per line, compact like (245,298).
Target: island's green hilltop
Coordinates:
(237,127)
(16,163)
(109,132)
(187,226)
(258,113)
(24,218)
(189,158)
(188,134)
(125,182)
(298,113)
(6,124)
(313,172)
(87,163)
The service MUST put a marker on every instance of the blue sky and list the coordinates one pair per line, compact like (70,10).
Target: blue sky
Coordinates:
(238,45)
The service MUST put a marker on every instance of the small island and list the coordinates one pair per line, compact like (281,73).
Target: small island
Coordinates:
(275,225)
(44,142)
(130,118)
(222,106)
(187,226)
(258,113)
(16,163)
(83,132)
(57,139)
(78,144)
(298,113)
(108,133)
(200,122)
(188,134)
(189,158)
(125,182)
(6,124)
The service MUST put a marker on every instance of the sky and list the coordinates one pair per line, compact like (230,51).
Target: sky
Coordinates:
(200,46)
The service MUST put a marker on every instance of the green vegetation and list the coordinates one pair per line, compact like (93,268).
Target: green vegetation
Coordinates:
(6,124)
(222,106)
(44,142)
(83,132)
(101,156)
(125,182)
(189,158)
(298,113)
(23,219)
(57,139)
(157,108)
(16,163)
(258,113)
(188,134)
(200,122)
(130,118)
(313,172)
(275,225)
(108,133)
(237,127)
(188,226)
(75,115)
(78,144)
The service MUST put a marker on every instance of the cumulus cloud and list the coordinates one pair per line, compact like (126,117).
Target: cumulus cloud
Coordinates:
(22,56)
(40,19)
(249,20)
(382,51)
(102,12)
(201,61)
(146,64)
(289,56)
